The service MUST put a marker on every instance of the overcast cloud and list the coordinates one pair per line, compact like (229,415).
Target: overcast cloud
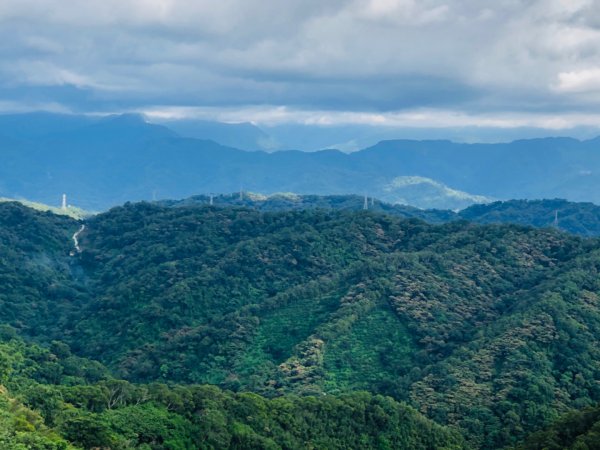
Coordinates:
(421,63)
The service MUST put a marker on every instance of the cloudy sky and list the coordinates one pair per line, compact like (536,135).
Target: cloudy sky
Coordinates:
(429,63)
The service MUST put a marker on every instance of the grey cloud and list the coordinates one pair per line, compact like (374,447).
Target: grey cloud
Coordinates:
(376,55)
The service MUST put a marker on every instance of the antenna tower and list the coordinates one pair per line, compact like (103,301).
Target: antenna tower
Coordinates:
(64,201)
(366,203)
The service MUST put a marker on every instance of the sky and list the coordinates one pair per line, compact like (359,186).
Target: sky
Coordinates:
(401,63)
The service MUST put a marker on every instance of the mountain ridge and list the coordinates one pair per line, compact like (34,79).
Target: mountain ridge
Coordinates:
(114,160)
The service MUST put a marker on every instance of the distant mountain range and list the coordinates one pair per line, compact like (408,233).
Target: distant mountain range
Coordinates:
(103,161)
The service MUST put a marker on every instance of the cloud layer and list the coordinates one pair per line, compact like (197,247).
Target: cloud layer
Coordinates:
(513,61)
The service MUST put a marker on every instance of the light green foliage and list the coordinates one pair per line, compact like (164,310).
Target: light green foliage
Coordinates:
(70,413)
(71,211)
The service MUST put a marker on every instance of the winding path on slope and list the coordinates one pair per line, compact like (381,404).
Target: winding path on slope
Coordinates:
(76,239)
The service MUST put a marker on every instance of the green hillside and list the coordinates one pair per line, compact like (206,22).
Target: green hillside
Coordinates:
(56,401)
(491,329)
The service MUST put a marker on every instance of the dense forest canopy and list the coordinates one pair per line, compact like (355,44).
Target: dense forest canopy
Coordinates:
(57,401)
(491,330)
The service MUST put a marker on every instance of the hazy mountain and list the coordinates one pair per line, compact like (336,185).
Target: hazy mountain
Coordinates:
(244,136)
(427,193)
(354,137)
(40,124)
(106,161)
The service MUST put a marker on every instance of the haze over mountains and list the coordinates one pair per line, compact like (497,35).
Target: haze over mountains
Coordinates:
(104,161)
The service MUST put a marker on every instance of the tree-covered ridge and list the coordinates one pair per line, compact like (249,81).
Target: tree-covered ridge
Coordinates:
(56,401)
(294,202)
(493,328)
(582,219)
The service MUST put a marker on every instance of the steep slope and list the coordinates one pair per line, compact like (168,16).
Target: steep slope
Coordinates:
(37,288)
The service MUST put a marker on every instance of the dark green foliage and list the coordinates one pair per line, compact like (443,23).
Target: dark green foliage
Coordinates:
(83,413)
(292,202)
(577,218)
(36,278)
(492,329)
(578,430)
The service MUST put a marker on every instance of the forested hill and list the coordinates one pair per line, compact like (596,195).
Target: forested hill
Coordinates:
(493,329)
(577,218)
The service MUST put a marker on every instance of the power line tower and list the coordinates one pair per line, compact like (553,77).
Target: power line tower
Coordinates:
(366,203)
(211,200)
(555,224)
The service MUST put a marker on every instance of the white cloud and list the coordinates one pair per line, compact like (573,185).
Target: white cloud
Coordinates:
(579,81)
(417,118)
